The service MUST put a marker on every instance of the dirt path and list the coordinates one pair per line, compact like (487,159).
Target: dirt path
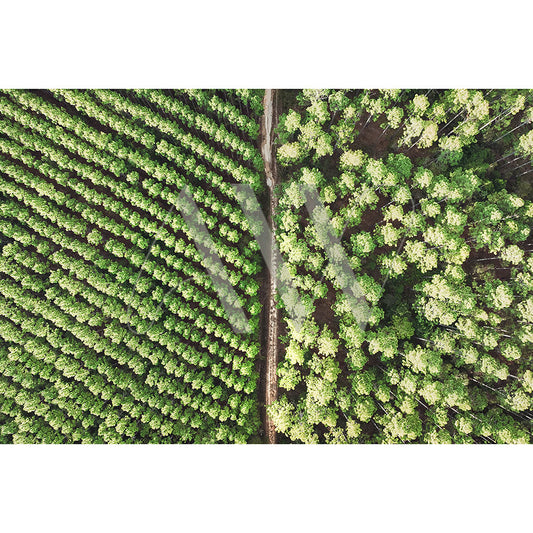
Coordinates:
(273,315)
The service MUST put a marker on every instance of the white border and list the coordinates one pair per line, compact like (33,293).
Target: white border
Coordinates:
(279,43)
(273,44)
(140,488)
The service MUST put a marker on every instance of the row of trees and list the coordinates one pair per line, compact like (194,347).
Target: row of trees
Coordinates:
(236,117)
(150,119)
(251,98)
(212,130)
(79,315)
(109,319)
(174,251)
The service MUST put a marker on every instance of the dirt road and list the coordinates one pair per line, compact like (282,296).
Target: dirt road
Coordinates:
(272,348)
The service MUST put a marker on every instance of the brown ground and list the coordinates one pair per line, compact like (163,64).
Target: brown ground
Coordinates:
(269,382)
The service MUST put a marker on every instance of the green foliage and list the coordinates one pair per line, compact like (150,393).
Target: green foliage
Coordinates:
(438,243)
(110,328)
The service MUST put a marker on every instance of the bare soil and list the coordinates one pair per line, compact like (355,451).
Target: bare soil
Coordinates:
(271,312)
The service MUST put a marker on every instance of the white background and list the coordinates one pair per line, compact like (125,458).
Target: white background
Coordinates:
(260,488)
(279,43)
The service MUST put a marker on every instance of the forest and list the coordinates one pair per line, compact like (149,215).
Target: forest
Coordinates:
(112,328)
(431,195)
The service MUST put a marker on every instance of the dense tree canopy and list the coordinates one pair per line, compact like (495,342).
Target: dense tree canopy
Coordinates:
(427,202)
(110,327)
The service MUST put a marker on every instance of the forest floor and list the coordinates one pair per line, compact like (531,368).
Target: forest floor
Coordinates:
(272,314)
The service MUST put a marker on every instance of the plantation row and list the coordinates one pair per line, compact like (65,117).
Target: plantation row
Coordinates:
(419,189)
(112,329)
